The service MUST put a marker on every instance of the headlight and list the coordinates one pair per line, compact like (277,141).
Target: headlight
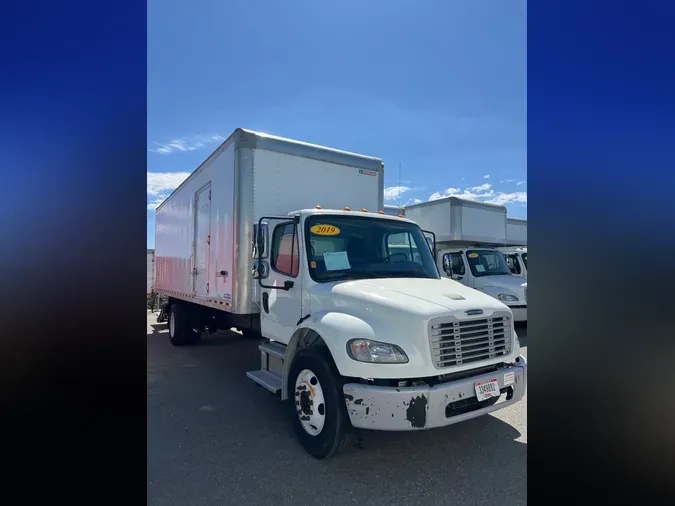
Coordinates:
(364,350)
(507,297)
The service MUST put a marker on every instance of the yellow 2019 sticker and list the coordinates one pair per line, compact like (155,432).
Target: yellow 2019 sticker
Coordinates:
(473,255)
(324,230)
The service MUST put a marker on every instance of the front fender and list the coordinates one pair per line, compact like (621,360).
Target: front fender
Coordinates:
(338,328)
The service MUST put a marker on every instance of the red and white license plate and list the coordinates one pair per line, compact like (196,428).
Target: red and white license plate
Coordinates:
(487,388)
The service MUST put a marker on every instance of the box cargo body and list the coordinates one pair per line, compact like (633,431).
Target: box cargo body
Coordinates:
(516,231)
(204,229)
(454,219)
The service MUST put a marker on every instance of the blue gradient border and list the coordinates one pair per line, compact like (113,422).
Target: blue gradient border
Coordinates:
(72,351)
(601,146)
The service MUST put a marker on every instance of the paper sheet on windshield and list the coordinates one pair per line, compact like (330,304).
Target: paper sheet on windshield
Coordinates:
(480,268)
(336,261)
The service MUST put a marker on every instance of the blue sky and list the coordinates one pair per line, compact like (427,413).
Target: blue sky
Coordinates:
(438,87)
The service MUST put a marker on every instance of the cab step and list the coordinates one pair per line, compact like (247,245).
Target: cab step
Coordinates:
(267,379)
(272,356)
(274,349)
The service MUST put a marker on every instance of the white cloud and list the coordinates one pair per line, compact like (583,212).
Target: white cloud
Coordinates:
(162,182)
(394,192)
(444,193)
(154,204)
(517,181)
(185,144)
(483,193)
(509,198)
(484,188)
(487,176)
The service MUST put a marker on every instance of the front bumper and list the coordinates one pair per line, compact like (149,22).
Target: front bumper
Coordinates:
(424,407)
(519,313)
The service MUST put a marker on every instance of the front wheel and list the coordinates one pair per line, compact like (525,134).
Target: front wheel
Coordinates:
(318,408)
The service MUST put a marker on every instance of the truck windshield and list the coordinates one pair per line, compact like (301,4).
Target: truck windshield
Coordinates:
(487,263)
(524,255)
(343,247)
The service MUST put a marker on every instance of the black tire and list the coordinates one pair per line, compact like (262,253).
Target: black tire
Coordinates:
(181,332)
(337,429)
(251,333)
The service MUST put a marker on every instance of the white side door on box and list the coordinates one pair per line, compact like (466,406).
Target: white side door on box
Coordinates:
(202,241)
(281,309)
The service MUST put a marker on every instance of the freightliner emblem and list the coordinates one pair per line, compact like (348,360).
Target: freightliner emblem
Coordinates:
(472,312)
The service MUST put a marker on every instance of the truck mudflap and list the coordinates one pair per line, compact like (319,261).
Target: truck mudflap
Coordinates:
(424,407)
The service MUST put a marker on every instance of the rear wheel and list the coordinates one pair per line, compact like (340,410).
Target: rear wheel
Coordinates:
(251,333)
(182,329)
(318,408)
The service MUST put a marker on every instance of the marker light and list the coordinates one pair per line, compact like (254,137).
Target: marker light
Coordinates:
(347,208)
(364,210)
(380,212)
(318,207)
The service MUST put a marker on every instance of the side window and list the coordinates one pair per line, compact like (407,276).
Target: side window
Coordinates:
(457,264)
(285,258)
(402,244)
(512,262)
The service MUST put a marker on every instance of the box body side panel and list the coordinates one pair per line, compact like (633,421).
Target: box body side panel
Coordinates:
(175,232)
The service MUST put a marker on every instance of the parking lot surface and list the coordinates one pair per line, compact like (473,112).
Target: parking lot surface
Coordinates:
(214,437)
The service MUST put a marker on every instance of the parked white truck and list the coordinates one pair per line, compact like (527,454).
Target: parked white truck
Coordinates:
(516,259)
(468,234)
(393,210)
(516,251)
(356,333)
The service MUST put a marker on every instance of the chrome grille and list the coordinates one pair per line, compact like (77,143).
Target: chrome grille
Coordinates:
(455,342)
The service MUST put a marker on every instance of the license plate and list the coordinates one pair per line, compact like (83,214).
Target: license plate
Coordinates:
(487,389)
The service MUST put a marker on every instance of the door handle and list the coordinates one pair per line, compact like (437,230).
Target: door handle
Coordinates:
(266,301)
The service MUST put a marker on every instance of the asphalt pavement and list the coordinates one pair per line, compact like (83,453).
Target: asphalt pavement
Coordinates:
(214,437)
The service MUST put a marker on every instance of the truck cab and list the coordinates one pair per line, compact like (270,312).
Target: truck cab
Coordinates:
(516,259)
(487,270)
(364,331)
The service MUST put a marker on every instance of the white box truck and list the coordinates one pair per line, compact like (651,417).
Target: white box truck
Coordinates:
(290,240)
(516,259)
(516,231)
(393,210)
(516,251)
(468,234)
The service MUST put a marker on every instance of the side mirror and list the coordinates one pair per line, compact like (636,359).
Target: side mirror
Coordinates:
(260,241)
(431,241)
(260,270)
(447,265)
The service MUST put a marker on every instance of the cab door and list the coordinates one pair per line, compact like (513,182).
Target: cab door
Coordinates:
(280,283)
